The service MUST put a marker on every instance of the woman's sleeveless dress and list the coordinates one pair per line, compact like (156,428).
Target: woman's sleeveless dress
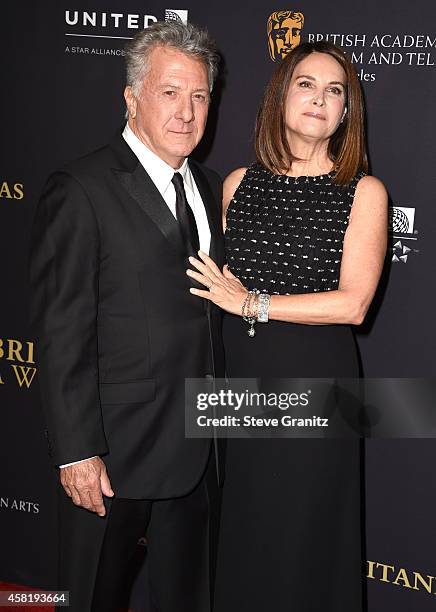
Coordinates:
(291,535)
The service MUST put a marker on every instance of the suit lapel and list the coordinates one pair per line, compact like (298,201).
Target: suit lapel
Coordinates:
(216,251)
(142,189)
(135,180)
(211,206)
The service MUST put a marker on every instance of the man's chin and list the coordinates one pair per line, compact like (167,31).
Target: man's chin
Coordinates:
(182,149)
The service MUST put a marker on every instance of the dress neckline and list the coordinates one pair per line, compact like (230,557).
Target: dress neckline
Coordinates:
(306,178)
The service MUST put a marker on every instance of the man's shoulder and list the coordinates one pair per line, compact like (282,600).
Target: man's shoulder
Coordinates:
(116,154)
(90,165)
(211,175)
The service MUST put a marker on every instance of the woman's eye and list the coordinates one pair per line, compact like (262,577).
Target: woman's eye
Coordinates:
(335,90)
(305,84)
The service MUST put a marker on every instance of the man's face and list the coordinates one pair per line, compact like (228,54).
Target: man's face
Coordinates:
(286,36)
(170,114)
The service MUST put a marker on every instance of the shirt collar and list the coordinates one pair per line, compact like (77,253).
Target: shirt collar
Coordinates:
(159,171)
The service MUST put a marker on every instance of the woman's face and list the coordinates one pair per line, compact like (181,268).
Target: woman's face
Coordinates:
(315,101)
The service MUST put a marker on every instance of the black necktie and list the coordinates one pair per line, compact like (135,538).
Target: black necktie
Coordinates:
(185,217)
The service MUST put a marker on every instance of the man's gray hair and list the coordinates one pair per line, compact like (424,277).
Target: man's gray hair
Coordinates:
(188,39)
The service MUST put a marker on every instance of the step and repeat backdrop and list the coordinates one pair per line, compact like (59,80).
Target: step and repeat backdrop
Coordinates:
(62,83)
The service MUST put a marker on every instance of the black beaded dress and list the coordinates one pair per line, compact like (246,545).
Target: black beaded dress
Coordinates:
(291,535)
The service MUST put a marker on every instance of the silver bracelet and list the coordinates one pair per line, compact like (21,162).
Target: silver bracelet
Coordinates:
(264,300)
(249,310)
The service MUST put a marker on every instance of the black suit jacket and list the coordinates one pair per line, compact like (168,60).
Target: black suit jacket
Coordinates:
(116,328)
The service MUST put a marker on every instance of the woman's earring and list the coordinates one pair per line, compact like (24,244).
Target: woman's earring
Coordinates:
(343,115)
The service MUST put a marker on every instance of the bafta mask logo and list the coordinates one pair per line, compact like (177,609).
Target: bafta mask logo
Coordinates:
(284,31)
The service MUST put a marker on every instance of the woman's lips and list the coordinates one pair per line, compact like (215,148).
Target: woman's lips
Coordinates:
(315,116)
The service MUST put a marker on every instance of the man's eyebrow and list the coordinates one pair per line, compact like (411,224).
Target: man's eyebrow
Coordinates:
(163,85)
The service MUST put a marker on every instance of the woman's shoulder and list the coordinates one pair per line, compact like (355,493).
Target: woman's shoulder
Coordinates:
(369,186)
(231,183)
(370,198)
(233,180)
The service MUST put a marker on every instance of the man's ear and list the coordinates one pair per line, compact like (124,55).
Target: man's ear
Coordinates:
(131,102)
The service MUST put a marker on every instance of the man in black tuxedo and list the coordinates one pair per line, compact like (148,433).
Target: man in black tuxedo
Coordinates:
(118,332)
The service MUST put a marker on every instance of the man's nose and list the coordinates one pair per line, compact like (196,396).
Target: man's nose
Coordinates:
(185,110)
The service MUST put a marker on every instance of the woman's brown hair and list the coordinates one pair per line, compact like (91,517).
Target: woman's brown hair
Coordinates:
(346,147)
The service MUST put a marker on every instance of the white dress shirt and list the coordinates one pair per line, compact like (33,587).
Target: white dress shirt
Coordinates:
(161,174)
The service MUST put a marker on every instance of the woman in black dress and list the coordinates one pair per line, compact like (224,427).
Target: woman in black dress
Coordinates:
(307,228)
